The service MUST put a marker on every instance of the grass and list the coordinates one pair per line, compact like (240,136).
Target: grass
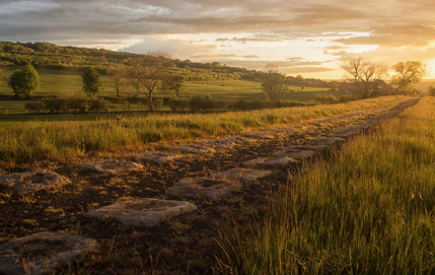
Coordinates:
(29,141)
(367,211)
(58,82)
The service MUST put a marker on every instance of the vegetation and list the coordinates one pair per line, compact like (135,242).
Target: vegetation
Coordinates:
(24,82)
(367,211)
(364,74)
(273,83)
(408,74)
(22,142)
(91,80)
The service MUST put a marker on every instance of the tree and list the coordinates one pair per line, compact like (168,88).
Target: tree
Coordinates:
(149,70)
(274,83)
(431,90)
(174,83)
(2,74)
(364,75)
(408,74)
(24,81)
(91,81)
(119,74)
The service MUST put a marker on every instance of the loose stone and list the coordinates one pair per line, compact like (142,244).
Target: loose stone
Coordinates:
(192,148)
(42,252)
(110,166)
(296,154)
(270,161)
(34,180)
(237,139)
(219,143)
(242,174)
(156,156)
(142,212)
(263,135)
(326,141)
(204,187)
(309,147)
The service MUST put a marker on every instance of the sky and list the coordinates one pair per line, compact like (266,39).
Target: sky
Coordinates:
(308,37)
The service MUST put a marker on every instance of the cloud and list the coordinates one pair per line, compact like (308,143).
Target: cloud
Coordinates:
(244,40)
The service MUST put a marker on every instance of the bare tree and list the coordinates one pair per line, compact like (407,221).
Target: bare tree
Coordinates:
(409,73)
(119,74)
(364,74)
(274,83)
(149,70)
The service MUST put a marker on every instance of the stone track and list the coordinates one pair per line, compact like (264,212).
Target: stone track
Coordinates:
(229,164)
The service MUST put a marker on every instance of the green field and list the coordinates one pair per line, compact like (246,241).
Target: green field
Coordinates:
(59,82)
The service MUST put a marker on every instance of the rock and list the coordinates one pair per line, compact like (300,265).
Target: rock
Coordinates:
(156,156)
(309,147)
(207,187)
(270,161)
(110,166)
(42,252)
(142,212)
(237,139)
(192,148)
(284,129)
(242,174)
(326,141)
(219,143)
(263,135)
(297,154)
(34,180)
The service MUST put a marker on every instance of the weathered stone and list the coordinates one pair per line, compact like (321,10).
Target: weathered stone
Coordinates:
(206,187)
(309,147)
(237,139)
(284,129)
(42,252)
(242,174)
(142,212)
(270,161)
(326,141)
(296,154)
(219,143)
(156,156)
(34,180)
(263,134)
(318,124)
(110,166)
(192,148)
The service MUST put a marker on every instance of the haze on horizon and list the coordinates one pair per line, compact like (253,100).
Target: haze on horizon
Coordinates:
(311,37)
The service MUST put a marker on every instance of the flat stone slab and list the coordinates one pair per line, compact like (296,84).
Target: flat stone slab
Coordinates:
(204,187)
(219,143)
(242,174)
(284,129)
(142,212)
(42,252)
(263,135)
(237,139)
(309,147)
(192,148)
(329,141)
(34,180)
(270,161)
(156,156)
(110,166)
(296,154)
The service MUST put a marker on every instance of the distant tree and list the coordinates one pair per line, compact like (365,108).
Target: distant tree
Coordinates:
(24,82)
(2,74)
(175,83)
(149,70)
(408,74)
(91,82)
(119,74)
(431,90)
(273,83)
(364,74)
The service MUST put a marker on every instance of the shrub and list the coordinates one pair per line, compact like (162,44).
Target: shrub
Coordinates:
(34,106)
(178,104)
(329,99)
(346,98)
(97,105)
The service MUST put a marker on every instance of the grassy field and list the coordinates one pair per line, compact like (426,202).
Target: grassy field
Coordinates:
(368,211)
(57,82)
(28,141)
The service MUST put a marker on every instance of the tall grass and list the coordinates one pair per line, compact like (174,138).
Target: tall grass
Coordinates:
(27,141)
(370,210)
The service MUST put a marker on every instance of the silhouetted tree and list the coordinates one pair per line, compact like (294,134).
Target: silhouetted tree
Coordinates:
(273,83)
(119,74)
(409,73)
(91,81)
